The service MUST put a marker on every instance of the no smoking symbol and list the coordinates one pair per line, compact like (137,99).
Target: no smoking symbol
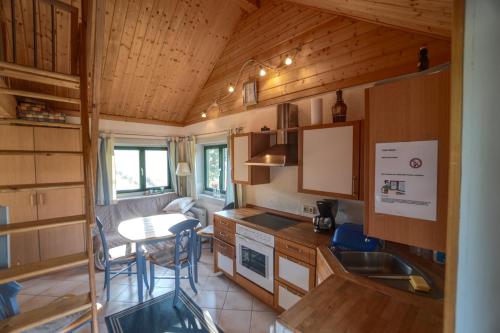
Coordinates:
(416,163)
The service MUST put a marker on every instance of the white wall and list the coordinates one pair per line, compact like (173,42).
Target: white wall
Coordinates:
(281,193)
(478,296)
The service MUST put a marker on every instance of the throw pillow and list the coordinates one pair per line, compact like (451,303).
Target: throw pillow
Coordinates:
(177,205)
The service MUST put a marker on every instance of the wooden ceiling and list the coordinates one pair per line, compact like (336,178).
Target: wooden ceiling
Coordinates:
(167,61)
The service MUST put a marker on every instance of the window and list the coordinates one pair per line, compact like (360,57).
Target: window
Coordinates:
(141,168)
(215,163)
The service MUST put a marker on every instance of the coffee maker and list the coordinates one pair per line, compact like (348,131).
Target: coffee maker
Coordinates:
(326,219)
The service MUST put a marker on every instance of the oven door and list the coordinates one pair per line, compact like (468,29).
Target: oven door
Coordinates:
(255,262)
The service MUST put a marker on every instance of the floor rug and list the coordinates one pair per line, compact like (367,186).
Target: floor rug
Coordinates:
(159,315)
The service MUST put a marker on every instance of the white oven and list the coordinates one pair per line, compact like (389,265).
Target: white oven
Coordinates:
(255,256)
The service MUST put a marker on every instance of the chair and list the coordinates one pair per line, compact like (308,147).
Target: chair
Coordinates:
(120,255)
(177,256)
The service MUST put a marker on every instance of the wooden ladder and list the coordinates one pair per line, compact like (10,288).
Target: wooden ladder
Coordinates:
(84,303)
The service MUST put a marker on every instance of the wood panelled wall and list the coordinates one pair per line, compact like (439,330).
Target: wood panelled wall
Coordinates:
(24,43)
(336,52)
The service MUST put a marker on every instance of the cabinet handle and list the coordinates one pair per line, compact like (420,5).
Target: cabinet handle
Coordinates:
(290,291)
(222,234)
(41,200)
(293,248)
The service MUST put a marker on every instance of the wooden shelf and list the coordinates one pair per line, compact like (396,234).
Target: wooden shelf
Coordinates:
(24,93)
(29,186)
(60,308)
(42,268)
(31,152)
(41,224)
(38,75)
(23,122)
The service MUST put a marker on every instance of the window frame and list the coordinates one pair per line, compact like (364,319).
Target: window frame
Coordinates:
(142,166)
(221,162)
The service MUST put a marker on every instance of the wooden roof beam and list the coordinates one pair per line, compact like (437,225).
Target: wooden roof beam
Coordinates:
(426,17)
(248,6)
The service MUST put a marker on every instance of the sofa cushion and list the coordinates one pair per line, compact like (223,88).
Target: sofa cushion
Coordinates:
(179,205)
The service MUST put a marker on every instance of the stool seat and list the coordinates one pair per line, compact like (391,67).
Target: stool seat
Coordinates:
(208,231)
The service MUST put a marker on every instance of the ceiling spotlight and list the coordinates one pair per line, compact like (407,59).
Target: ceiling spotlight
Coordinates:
(262,72)
(288,60)
(230,88)
(203,114)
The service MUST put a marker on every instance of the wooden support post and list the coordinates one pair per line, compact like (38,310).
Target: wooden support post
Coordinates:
(87,157)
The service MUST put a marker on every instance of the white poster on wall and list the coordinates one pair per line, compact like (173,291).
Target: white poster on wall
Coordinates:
(406,179)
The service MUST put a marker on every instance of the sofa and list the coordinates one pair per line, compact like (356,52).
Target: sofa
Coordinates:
(125,209)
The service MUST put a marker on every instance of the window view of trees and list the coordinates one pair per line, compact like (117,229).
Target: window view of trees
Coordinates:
(215,168)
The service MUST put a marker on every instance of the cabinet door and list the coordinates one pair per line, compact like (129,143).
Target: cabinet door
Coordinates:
(17,169)
(294,272)
(329,160)
(57,139)
(241,154)
(24,247)
(60,202)
(224,255)
(16,137)
(285,297)
(323,269)
(58,168)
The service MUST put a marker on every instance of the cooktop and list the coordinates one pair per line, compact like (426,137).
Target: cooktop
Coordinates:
(271,221)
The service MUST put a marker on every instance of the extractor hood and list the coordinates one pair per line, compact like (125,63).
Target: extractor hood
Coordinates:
(285,150)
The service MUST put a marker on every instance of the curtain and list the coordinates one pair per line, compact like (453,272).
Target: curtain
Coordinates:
(105,189)
(183,150)
(234,192)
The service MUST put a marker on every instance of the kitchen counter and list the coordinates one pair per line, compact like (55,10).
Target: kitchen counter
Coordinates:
(346,302)
(301,233)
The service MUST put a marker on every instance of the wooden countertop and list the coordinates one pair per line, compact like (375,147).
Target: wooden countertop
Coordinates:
(301,233)
(346,302)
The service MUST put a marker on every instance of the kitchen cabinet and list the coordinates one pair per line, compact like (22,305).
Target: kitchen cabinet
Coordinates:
(294,272)
(57,139)
(224,230)
(24,246)
(323,269)
(409,109)
(243,147)
(296,250)
(17,169)
(329,160)
(285,297)
(58,168)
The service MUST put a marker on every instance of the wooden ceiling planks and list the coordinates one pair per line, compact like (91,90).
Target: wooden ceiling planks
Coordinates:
(159,54)
(335,52)
(431,17)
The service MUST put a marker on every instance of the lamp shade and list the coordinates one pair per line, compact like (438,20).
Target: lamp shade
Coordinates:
(183,169)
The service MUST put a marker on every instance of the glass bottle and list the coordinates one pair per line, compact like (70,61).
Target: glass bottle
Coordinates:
(339,109)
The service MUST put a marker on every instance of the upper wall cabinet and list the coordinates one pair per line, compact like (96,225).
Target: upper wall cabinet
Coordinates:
(16,137)
(406,110)
(243,147)
(57,139)
(329,158)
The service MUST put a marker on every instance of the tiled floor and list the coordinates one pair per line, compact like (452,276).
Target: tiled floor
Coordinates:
(230,306)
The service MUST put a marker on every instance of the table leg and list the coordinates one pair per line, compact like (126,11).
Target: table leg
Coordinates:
(140,267)
(195,257)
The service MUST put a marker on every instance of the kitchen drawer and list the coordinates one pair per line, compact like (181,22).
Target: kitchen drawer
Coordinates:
(226,224)
(224,257)
(295,250)
(294,272)
(285,297)
(224,235)
(224,248)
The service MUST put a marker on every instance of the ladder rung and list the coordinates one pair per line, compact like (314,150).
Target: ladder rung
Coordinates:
(41,224)
(65,306)
(44,185)
(43,267)
(38,75)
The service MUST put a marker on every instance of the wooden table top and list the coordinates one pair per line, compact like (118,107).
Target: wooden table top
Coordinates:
(150,227)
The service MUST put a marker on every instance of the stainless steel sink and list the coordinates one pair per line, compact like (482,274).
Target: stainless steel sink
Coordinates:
(384,268)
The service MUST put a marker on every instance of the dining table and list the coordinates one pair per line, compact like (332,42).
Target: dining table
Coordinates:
(150,229)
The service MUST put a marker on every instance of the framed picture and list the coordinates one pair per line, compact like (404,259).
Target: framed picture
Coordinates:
(250,93)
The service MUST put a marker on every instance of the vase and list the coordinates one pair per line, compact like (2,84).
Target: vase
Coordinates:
(339,109)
